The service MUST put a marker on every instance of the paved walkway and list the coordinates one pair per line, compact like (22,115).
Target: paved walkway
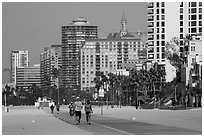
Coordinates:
(32,121)
(186,119)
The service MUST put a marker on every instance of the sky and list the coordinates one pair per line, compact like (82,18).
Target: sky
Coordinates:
(33,26)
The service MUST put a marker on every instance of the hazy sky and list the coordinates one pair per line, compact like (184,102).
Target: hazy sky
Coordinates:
(33,26)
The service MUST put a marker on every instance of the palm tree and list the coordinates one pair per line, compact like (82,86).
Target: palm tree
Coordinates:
(55,73)
(134,85)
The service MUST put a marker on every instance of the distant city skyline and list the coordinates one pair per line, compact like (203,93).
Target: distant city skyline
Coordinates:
(33,26)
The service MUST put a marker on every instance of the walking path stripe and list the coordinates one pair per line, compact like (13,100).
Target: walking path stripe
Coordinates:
(113,129)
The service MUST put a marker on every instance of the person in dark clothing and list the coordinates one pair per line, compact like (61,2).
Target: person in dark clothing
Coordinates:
(71,109)
(58,108)
(88,111)
(52,108)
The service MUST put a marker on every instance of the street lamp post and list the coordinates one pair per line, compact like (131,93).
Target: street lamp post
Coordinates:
(5,103)
(58,94)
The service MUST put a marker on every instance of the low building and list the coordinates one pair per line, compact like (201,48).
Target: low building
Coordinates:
(192,69)
(27,76)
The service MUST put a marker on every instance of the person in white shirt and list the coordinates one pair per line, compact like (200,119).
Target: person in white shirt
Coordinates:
(78,108)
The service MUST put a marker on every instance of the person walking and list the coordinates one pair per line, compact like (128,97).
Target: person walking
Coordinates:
(52,108)
(71,109)
(88,111)
(78,107)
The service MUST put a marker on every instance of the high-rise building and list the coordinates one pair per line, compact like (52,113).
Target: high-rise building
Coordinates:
(111,54)
(49,59)
(17,59)
(27,76)
(171,19)
(73,37)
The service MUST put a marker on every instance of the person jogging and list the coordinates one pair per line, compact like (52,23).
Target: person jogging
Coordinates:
(88,111)
(78,108)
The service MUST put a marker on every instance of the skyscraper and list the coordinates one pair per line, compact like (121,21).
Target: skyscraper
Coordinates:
(17,59)
(73,37)
(171,19)
(50,58)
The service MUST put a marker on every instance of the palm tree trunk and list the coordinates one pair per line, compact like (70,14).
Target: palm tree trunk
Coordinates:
(136,98)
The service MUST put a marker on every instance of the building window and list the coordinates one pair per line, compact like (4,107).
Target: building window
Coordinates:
(193,17)
(162,17)
(193,4)
(181,17)
(200,29)
(157,43)
(162,24)
(163,30)
(157,49)
(181,30)
(193,30)
(200,10)
(163,36)
(181,36)
(162,11)
(157,24)
(157,11)
(163,49)
(163,43)
(157,56)
(181,43)
(200,16)
(157,17)
(157,36)
(157,30)
(162,4)
(193,23)
(181,10)
(192,48)
(200,4)
(181,23)
(157,4)
(193,10)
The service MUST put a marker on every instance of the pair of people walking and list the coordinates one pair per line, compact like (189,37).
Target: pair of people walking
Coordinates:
(78,107)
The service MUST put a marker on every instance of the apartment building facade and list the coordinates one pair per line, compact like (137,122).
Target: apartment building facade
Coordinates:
(18,58)
(112,54)
(50,59)
(171,19)
(108,55)
(73,37)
